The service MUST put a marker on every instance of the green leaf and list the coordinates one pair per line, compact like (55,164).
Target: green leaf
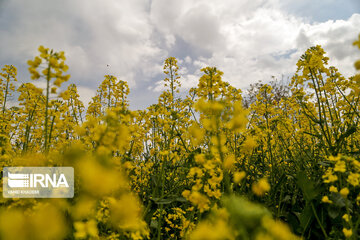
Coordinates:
(162,201)
(170,199)
(338,200)
(333,211)
(306,185)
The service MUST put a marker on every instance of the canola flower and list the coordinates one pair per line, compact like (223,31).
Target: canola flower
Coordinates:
(261,187)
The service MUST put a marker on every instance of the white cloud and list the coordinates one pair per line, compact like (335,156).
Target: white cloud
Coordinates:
(86,94)
(189,81)
(336,37)
(269,42)
(188,59)
(93,35)
(248,40)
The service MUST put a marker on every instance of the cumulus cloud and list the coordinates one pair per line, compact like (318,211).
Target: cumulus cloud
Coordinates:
(248,40)
(85,94)
(336,38)
(99,37)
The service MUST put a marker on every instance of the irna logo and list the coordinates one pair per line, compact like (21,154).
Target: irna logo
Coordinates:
(16,180)
(38,182)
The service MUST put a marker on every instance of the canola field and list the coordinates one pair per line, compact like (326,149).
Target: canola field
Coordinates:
(280,161)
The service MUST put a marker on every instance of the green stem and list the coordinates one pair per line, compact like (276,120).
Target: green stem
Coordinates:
(6,93)
(318,220)
(47,107)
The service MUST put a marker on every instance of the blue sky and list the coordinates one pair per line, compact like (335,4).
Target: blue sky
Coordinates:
(323,10)
(248,40)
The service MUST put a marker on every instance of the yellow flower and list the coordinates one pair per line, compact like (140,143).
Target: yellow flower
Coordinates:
(84,229)
(249,144)
(346,217)
(229,162)
(347,232)
(357,65)
(199,200)
(326,199)
(329,177)
(340,166)
(125,213)
(200,159)
(333,189)
(53,62)
(335,159)
(186,193)
(344,192)
(195,171)
(239,120)
(53,90)
(238,176)
(277,229)
(356,164)
(42,49)
(261,187)
(216,229)
(353,179)
(197,133)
